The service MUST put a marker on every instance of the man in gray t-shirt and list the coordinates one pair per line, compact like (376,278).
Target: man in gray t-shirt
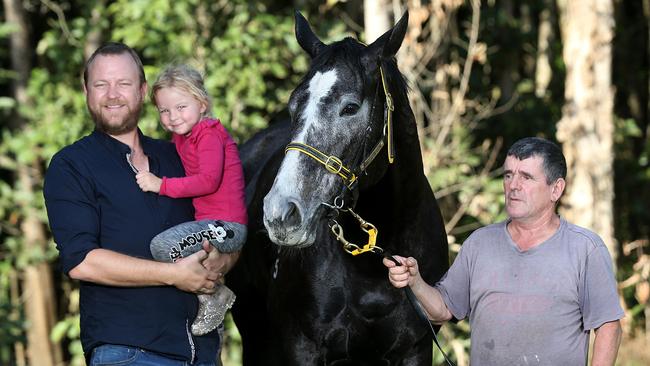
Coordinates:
(533,286)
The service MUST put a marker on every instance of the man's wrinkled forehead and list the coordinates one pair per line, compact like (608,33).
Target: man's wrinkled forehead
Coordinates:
(531,164)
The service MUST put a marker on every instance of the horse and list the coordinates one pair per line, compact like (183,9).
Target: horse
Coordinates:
(328,193)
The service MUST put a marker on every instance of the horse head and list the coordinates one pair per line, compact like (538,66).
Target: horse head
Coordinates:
(338,124)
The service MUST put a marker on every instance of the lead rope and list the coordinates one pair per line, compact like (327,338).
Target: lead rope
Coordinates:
(421,313)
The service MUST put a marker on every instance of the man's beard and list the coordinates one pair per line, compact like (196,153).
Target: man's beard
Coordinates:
(129,121)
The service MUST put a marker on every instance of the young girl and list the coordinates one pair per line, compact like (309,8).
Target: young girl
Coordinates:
(214,178)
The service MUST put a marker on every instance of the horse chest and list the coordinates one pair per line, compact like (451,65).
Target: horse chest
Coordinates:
(343,327)
(336,309)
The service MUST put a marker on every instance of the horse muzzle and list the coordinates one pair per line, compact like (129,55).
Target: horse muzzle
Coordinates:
(285,221)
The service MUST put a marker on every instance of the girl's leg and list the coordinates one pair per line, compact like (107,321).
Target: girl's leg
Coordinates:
(186,239)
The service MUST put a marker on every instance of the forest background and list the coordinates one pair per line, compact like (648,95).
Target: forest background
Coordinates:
(482,75)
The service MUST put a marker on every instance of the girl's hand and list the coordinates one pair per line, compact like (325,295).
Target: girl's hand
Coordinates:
(148,182)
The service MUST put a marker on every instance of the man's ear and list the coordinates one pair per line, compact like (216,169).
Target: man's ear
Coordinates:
(143,88)
(558,189)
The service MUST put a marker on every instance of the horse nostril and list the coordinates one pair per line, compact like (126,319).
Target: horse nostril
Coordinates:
(289,210)
(291,214)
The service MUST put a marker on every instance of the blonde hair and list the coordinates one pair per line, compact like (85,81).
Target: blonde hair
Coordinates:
(186,79)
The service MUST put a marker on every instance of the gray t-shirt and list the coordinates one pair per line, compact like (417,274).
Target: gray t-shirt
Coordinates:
(534,307)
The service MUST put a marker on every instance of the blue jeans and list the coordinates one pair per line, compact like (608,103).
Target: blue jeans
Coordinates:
(116,355)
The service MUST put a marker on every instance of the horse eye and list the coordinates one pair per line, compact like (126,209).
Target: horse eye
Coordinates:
(349,110)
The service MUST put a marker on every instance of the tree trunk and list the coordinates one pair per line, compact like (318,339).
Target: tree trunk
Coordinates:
(38,288)
(543,71)
(376,18)
(507,73)
(20,54)
(37,284)
(586,128)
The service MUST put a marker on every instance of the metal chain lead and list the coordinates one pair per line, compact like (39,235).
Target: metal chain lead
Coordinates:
(368,228)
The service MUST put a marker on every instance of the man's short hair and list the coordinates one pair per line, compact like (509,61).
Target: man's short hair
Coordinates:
(553,160)
(115,48)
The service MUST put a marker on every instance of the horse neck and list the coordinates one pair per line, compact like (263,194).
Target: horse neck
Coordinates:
(403,183)
(407,166)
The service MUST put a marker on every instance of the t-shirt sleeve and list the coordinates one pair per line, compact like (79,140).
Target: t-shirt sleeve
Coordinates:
(211,155)
(600,300)
(72,212)
(454,285)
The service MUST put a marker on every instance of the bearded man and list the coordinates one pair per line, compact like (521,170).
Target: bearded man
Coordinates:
(133,309)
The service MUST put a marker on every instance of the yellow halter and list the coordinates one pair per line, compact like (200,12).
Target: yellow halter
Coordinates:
(334,165)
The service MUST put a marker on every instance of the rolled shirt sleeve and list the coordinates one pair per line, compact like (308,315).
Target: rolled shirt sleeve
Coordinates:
(72,211)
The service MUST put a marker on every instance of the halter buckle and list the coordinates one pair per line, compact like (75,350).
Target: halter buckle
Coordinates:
(333,164)
(389,102)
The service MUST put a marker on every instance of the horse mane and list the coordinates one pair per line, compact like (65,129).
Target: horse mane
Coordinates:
(347,50)
(396,81)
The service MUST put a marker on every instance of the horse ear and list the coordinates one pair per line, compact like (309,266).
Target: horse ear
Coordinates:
(389,43)
(306,37)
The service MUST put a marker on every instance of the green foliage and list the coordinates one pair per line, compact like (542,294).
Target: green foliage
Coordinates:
(248,56)
(251,62)
(68,329)
(632,170)
(231,352)
(13,321)
(509,71)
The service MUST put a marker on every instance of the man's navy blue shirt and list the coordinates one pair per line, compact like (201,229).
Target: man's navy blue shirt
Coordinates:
(93,201)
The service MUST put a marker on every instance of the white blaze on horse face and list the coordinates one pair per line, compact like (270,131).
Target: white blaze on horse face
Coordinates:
(320,86)
(287,224)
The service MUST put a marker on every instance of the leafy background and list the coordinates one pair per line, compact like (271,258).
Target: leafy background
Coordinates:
(251,62)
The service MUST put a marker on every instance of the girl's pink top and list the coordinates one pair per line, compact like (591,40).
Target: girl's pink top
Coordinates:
(214,174)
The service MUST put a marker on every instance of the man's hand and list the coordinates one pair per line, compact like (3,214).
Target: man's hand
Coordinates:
(218,263)
(190,275)
(407,274)
(148,182)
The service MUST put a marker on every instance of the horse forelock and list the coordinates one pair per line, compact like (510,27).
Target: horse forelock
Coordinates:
(347,50)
